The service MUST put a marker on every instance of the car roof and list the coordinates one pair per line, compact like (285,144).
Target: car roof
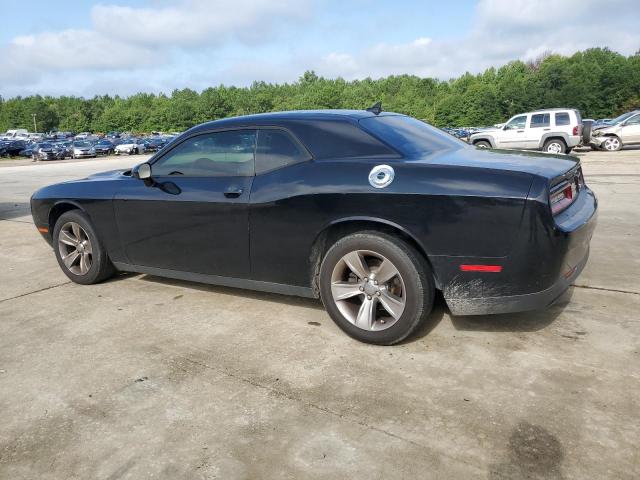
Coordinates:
(544,110)
(265,118)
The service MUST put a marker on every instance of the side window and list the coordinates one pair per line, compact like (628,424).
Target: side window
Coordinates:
(218,154)
(540,120)
(276,149)
(634,120)
(339,138)
(517,123)
(562,118)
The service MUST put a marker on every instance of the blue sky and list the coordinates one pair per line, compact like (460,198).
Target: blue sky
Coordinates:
(124,46)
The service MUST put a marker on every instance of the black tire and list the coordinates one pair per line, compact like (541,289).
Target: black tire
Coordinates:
(482,144)
(412,267)
(561,146)
(101,267)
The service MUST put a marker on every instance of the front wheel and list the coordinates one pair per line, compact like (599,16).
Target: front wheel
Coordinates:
(482,144)
(80,254)
(376,288)
(612,144)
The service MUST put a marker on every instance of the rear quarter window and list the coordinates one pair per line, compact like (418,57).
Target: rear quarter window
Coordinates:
(409,135)
(562,118)
(337,138)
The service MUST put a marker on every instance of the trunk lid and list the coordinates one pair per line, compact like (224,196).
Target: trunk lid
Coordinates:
(536,163)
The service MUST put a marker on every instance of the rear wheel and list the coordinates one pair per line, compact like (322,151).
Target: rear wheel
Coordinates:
(612,144)
(555,145)
(482,144)
(375,287)
(80,254)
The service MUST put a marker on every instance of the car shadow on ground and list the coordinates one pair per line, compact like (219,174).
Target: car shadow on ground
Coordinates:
(515,322)
(251,294)
(509,322)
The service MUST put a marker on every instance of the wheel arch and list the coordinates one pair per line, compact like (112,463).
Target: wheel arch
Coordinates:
(553,135)
(339,228)
(59,208)
(485,138)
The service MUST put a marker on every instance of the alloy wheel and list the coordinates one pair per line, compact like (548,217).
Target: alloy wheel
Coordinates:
(75,248)
(554,147)
(368,290)
(612,144)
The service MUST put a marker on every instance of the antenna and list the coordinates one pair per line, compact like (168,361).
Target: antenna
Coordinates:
(376,108)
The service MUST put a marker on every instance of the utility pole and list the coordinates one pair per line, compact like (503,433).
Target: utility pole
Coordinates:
(35,127)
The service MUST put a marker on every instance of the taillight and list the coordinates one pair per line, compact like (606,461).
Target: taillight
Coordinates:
(575,130)
(562,198)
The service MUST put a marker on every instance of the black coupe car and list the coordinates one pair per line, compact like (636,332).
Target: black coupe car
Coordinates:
(368,210)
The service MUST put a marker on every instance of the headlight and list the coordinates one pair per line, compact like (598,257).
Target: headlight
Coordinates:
(93,150)
(76,151)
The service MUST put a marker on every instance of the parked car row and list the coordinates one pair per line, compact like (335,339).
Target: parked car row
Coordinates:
(81,146)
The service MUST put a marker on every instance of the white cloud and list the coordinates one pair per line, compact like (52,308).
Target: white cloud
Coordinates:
(194,22)
(124,39)
(198,43)
(503,30)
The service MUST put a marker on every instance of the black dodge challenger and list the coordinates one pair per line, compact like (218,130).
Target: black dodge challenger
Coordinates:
(370,211)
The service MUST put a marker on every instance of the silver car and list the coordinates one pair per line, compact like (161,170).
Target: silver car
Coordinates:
(621,131)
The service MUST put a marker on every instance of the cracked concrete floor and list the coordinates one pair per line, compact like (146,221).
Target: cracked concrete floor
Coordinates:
(142,377)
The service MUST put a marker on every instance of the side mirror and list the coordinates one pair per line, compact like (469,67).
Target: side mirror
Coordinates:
(143,171)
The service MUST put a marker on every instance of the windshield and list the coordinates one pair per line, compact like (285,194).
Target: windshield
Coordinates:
(409,135)
(621,118)
(81,144)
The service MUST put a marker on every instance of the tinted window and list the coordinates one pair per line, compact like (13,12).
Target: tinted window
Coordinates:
(276,149)
(634,120)
(409,135)
(517,122)
(540,120)
(621,118)
(338,138)
(562,118)
(218,154)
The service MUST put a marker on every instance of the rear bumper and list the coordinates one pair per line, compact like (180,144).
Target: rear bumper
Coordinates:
(574,141)
(526,282)
(516,303)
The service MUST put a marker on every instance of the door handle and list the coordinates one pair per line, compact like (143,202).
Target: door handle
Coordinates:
(233,192)
(546,129)
(520,131)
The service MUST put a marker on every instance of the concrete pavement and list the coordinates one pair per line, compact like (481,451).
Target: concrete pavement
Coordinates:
(142,377)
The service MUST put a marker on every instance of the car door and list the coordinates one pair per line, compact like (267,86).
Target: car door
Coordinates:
(513,134)
(630,132)
(193,214)
(279,212)
(540,123)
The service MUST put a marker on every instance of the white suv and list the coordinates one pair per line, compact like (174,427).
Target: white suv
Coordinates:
(556,130)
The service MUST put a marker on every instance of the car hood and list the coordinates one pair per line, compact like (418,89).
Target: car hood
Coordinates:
(605,128)
(487,130)
(108,174)
(535,163)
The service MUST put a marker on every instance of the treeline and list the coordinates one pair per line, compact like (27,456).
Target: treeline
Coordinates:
(599,82)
